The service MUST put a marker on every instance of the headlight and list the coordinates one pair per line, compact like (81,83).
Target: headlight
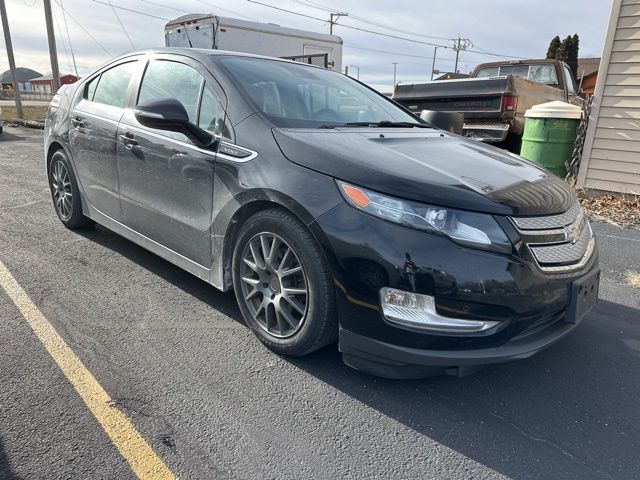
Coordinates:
(467,228)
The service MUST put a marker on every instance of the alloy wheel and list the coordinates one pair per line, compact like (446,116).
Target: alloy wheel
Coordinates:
(61,186)
(274,285)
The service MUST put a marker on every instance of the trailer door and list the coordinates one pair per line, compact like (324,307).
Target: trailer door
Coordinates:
(199,36)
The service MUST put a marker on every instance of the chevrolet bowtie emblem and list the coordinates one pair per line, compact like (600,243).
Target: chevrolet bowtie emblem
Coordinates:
(568,234)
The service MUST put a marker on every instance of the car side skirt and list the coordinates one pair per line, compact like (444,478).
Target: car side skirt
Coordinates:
(200,271)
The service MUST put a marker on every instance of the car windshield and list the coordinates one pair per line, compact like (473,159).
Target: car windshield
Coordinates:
(300,96)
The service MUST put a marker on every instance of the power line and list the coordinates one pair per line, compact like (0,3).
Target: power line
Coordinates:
(288,11)
(353,27)
(66,26)
(238,14)
(389,52)
(64,45)
(230,11)
(166,6)
(344,25)
(366,20)
(83,28)
(130,10)
(332,22)
(120,22)
(460,44)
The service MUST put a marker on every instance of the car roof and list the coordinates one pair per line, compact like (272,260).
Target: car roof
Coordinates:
(205,54)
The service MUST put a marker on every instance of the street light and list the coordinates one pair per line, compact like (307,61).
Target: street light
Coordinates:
(358,71)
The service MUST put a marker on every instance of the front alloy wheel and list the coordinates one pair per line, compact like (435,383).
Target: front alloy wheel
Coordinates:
(274,285)
(283,284)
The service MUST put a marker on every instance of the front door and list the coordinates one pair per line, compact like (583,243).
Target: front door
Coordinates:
(93,133)
(166,183)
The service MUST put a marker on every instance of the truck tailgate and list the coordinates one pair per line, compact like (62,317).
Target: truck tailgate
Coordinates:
(482,95)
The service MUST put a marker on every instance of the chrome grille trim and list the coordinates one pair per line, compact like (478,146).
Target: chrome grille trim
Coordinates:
(550,222)
(576,266)
(558,243)
(568,252)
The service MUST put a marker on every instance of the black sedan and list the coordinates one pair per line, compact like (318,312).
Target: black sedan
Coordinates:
(333,212)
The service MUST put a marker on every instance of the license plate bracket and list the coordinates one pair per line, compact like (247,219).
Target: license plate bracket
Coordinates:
(584,295)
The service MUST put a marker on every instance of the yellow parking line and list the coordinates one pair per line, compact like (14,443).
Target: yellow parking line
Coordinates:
(143,460)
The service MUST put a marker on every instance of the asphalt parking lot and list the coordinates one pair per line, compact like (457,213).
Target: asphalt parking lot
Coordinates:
(177,360)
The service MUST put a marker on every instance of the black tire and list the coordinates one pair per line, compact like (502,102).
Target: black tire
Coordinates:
(70,214)
(513,143)
(318,326)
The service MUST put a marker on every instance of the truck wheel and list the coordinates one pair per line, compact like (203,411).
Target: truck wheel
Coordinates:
(65,193)
(283,284)
(513,143)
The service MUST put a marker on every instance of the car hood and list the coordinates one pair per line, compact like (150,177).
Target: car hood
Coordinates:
(429,166)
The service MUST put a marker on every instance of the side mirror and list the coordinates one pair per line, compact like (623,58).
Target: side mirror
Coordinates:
(169,114)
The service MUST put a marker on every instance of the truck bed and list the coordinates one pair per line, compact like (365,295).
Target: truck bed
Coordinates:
(482,100)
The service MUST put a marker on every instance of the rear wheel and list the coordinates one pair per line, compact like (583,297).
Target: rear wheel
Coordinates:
(283,284)
(513,143)
(65,193)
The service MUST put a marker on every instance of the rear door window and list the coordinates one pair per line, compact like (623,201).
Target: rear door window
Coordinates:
(113,85)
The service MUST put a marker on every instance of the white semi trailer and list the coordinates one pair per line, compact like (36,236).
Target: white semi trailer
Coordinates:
(223,33)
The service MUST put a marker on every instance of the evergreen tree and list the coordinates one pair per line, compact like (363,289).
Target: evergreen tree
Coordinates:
(552,52)
(565,50)
(572,54)
(565,47)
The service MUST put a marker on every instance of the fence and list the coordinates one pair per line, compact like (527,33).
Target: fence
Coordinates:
(317,59)
(9,95)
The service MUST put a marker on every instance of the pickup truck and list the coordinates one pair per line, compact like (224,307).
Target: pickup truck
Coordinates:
(495,97)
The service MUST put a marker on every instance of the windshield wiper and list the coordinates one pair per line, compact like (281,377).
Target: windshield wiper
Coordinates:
(381,124)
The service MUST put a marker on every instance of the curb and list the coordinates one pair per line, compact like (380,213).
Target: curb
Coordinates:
(25,123)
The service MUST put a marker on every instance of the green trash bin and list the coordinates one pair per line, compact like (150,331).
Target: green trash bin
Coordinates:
(549,135)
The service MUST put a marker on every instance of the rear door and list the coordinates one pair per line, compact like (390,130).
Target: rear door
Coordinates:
(166,182)
(93,134)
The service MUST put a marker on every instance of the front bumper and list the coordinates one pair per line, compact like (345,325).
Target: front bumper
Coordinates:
(486,132)
(395,361)
(368,253)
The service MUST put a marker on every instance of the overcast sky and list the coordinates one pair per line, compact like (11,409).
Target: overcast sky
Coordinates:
(521,28)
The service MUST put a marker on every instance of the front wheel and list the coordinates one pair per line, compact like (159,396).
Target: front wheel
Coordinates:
(283,284)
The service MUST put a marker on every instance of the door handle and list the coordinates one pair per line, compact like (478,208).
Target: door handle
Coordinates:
(128,140)
(77,122)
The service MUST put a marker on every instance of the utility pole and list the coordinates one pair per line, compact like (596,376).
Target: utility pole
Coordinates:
(395,65)
(433,63)
(12,63)
(333,19)
(458,45)
(53,52)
